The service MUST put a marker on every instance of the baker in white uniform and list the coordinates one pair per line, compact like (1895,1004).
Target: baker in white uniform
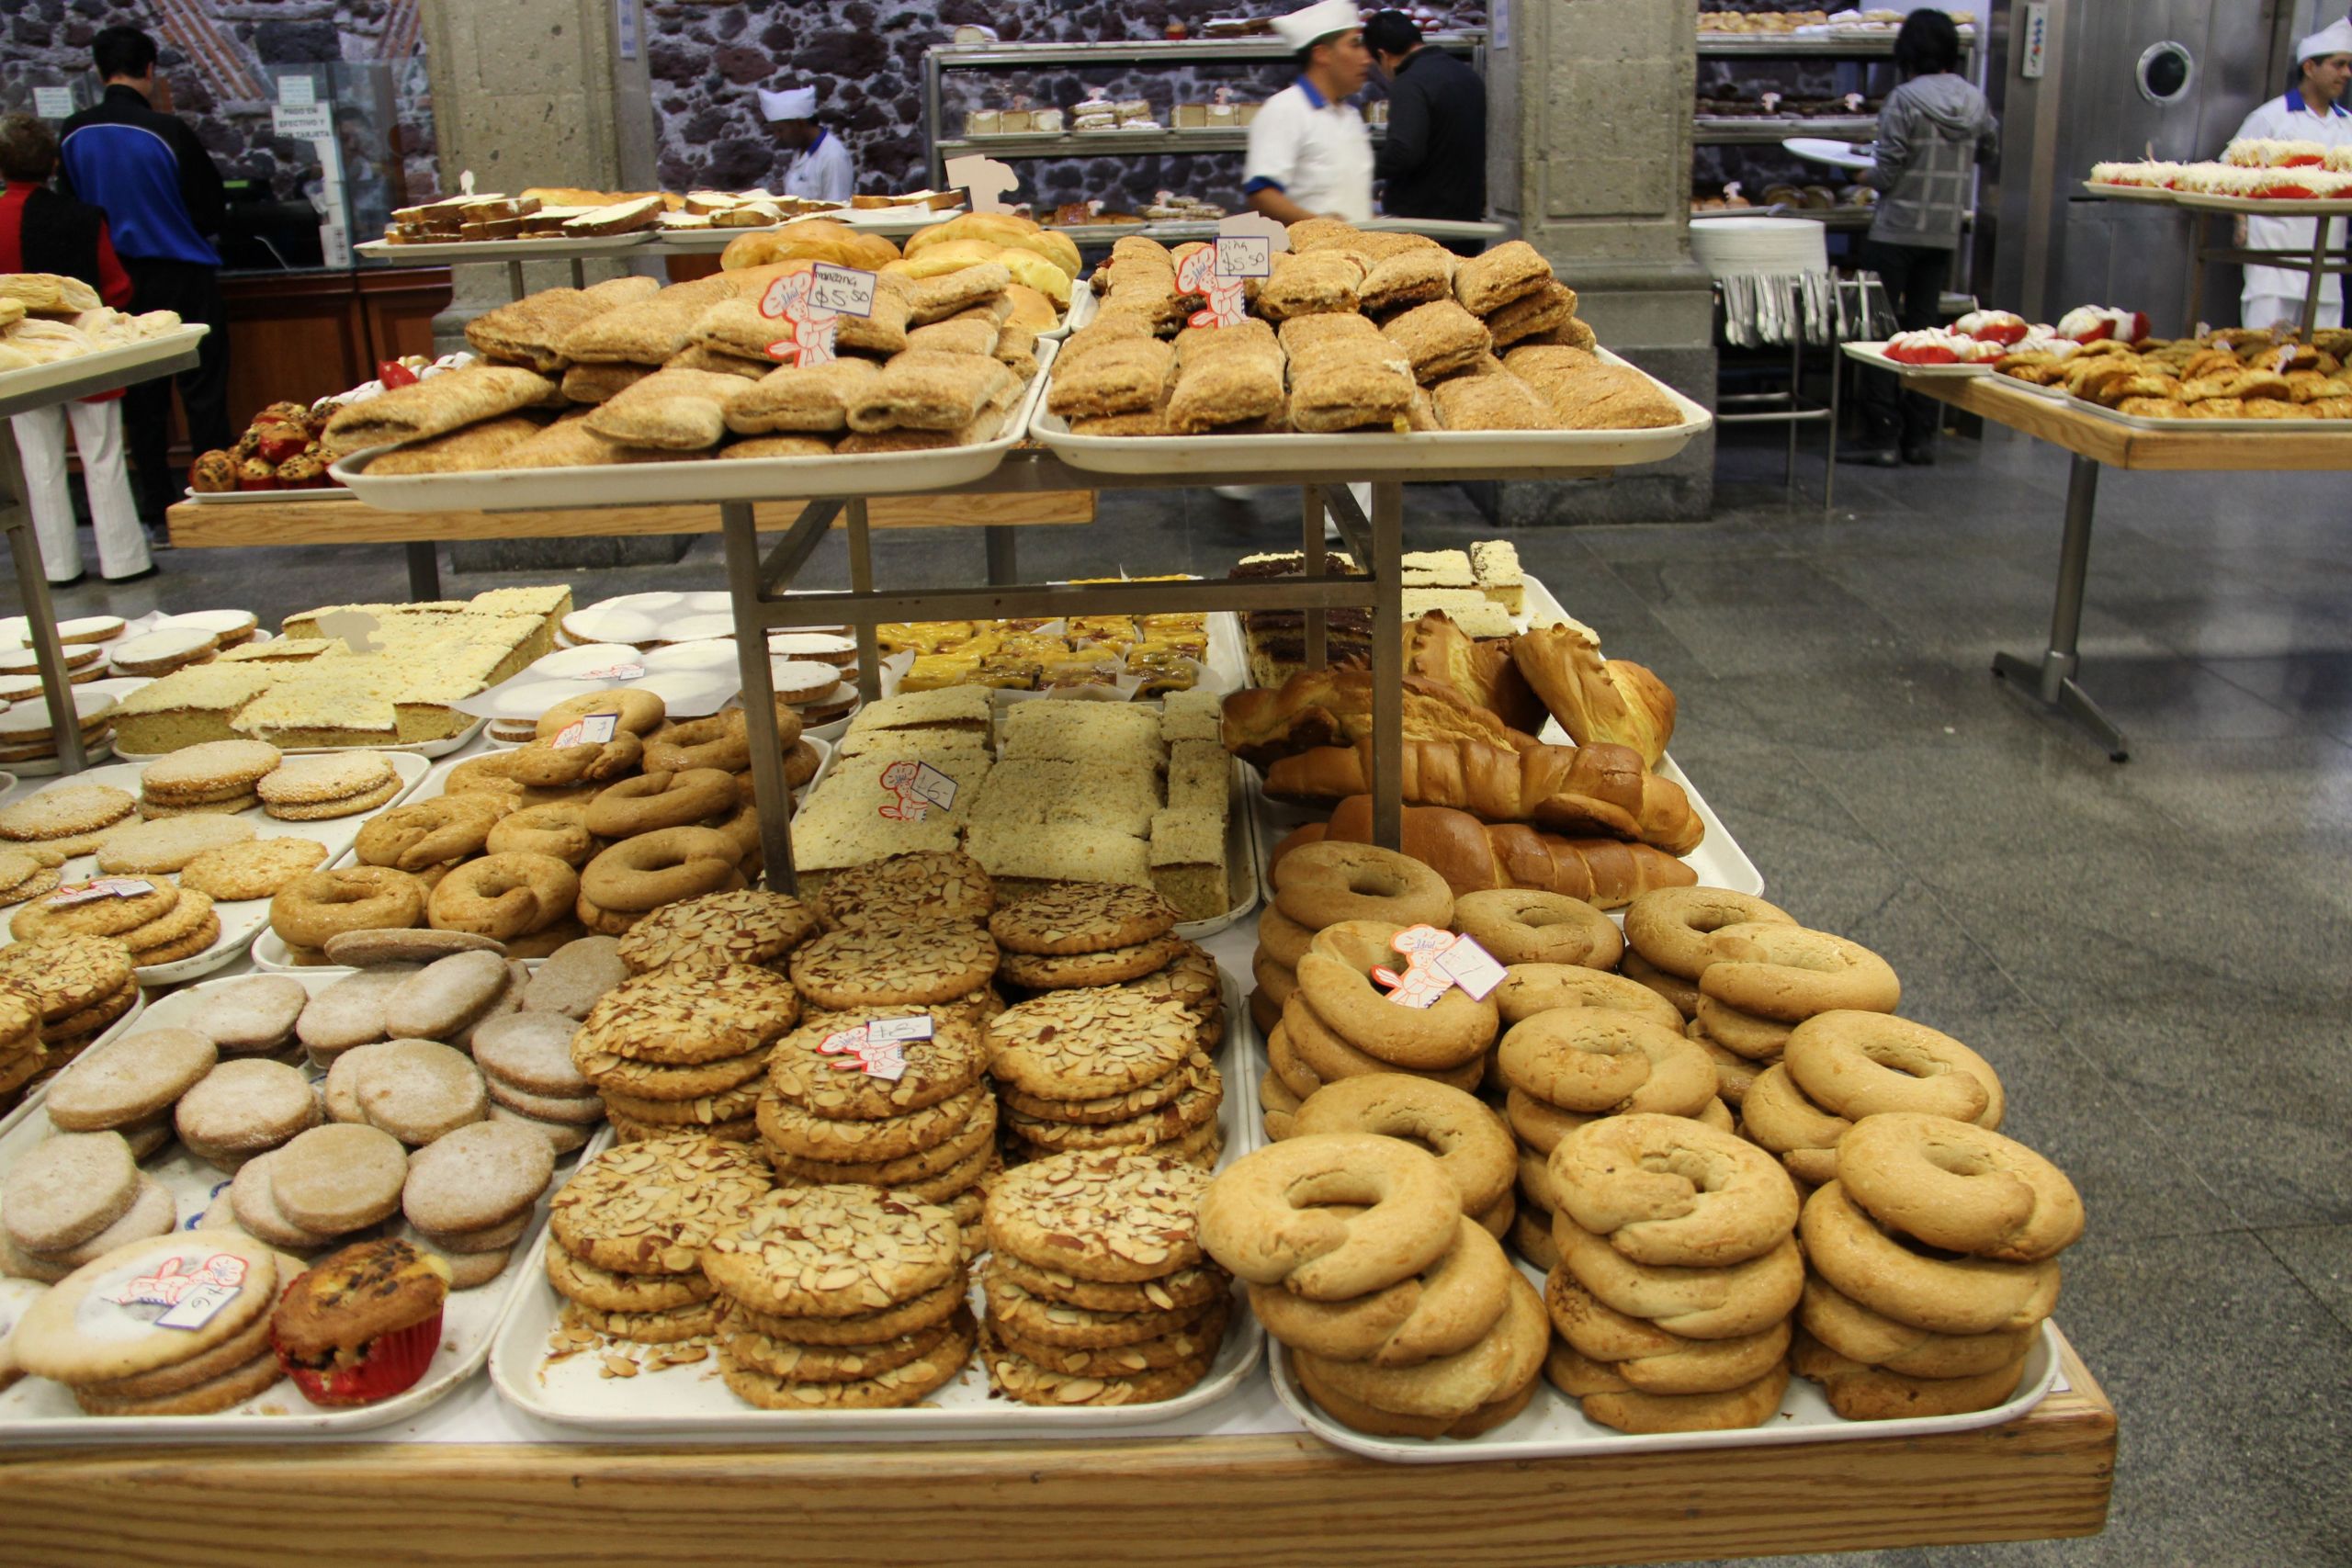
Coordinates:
(822,169)
(2312,110)
(1309,155)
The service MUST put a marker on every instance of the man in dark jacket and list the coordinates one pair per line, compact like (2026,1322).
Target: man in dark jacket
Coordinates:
(1434,157)
(162,196)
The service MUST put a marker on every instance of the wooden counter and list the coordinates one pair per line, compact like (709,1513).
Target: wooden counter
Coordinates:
(2298,445)
(1284,1501)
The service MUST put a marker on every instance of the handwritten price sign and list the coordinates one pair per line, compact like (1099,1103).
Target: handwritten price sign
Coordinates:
(844,291)
(1244,255)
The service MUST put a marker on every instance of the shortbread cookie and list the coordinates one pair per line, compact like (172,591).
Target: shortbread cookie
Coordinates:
(68,1188)
(336,1179)
(255,1015)
(65,811)
(746,927)
(349,1012)
(478,1176)
(156,810)
(205,771)
(832,1251)
(254,870)
(1086,1044)
(562,1138)
(816,1066)
(80,1335)
(1101,1215)
(253,1200)
(569,1110)
(23,875)
(244,1108)
(907,965)
(651,1207)
(532,1052)
(468,1271)
(370,949)
(445,996)
(142,1076)
(151,1214)
(1082,917)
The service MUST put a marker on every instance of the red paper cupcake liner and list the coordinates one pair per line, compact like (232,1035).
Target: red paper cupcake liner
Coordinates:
(393,1365)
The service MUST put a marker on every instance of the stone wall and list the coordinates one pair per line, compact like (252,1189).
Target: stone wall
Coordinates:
(214,54)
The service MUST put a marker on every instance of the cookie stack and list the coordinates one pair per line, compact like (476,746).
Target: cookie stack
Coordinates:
(76,1198)
(27,873)
(468,1198)
(1677,1273)
(1478,1151)
(255,869)
(1580,1045)
(21,1053)
(314,789)
(673,1049)
(746,927)
(132,1091)
(574,975)
(526,1061)
(626,1234)
(418,1090)
(255,1017)
(925,884)
(98,1333)
(912,1116)
(1341,1023)
(211,778)
(28,735)
(1840,1066)
(452,995)
(83,985)
(1084,933)
(1934,1259)
(244,1109)
(840,1298)
(1098,1290)
(1403,1317)
(321,1186)
(158,922)
(66,820)
(1106,1068)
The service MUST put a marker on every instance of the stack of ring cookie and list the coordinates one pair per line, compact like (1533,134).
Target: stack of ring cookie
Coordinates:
(1468,1141)
(522,900)
(1098,1290)
(626,1234)
(685,1049)
(1841,1066)
(428,837)
(1582,1045)
(1105,1069)
(1322,884)
(830,1299)
(638,875)
(1677,1273)
(913,1117)
(1934,1257)
(1340,1023)
(1401,1313)
(723,742)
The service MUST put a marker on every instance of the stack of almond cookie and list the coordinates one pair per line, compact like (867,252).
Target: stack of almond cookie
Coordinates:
(1084,933)
(840,1298)
(626,1234)
(673,1049)
(22,1051)
(1105,1068)
(1677,1273)
(926,885)
(82,985)
(1403,1315)
(212,778)
(1098,1291)
(891,1098)
(750,926)
(27,873)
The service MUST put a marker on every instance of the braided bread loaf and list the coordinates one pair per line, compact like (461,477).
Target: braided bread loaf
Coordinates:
(1473,857)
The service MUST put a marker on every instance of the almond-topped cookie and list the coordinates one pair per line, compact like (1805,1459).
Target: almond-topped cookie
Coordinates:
(1111,1108)
(908,889)
(817,1066)
(651,1207)
(833,1252)
(1083,917)
(1088,1043)
(67,972)
(1099,1214)
(1193,1107)
(684,1018)
(1191,977)
(796,1133)
(916,964)
(745,927)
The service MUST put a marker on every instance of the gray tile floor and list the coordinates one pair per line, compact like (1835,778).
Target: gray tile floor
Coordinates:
(2153,953)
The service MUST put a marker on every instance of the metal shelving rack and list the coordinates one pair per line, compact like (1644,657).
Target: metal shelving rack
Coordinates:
(1169,141)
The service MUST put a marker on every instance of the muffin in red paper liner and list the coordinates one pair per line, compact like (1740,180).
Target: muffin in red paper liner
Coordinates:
(361,1324)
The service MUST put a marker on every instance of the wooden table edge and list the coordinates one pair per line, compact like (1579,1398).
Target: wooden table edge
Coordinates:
(2324,450)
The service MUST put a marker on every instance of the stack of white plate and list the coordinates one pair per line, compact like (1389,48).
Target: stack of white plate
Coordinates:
(1750,248)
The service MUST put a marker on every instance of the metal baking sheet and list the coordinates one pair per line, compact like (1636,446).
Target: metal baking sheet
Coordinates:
(1363,453)
(695,480)
(1552,1426)
(243,918)
(2342,427)
(39,1410)
(691,1398)
(504,250)
(1874,354)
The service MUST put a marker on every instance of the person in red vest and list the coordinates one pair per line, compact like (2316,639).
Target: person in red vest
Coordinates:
(43,231)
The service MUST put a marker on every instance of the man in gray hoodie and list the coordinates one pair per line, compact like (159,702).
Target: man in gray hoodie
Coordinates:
(1934,129)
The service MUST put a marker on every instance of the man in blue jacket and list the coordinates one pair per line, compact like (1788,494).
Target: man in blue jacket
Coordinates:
(162,196)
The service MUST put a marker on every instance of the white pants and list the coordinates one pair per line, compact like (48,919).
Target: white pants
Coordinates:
(98,435)
(2260,310)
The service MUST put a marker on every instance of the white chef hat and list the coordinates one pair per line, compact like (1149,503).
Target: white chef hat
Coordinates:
(1317,21)
(2334,38)
(793,103)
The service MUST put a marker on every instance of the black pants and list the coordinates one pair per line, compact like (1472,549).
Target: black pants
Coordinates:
(195,293)
(1915,277)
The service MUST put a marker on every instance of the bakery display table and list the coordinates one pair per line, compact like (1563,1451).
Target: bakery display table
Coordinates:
(2095,441)
(1035,1502)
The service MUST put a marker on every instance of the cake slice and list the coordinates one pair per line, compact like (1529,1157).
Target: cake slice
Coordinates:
(1495,563)
(190,706)
(1187,863)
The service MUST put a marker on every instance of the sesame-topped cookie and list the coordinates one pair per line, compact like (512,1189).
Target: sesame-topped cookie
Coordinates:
(917,964)
(834,1251)
(309,780)
(210,771)
(1083,917)
(65,811)
(1089,1044)
(1099,1214)
(168,843)
(651,1207)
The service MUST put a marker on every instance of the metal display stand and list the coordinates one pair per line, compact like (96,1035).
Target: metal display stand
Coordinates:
(1789,406)
(110,370)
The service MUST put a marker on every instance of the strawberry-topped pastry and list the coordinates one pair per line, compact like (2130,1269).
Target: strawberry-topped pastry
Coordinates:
(1993,326)
(2095,324)
(1934,345)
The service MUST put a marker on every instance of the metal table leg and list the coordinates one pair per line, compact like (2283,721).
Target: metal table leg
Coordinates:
(1003,550)
(1311,533)
(861,580)
(770,794)
(2050,680)
(1387,665)
(579,273)
(2197,222)
(41,622)
(1836,383)
(2318,276)
(423,569)
(514,279)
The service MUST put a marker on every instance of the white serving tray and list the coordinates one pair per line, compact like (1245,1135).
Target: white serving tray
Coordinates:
(556,248)
(1552,1426)
(427,749)
(1361,452)
(891,222)
(2263,206)
(40,1094)
(37,379)
(243,919)
(39,1410)
(1874,354)
(699,480)
(2129,193)
(265,497)
(691,1398)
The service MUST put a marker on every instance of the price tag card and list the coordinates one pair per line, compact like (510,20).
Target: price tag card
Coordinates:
(1244,255)
(1470,966)
(595,730)
(53,103)
(919,789)
(842,289)
(1438,961)
(878,1048)
(611,672)
(96,889)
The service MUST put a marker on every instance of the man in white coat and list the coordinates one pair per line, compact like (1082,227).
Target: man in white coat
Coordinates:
(1309,153)
(2312,110)
(822,169)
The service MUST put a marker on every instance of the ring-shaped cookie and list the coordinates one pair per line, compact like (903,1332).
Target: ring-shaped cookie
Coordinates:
(1322,884)
(1281,937)
(657,800)
(1794,972)
(639,712)
(1669,926)
(503,896)
(1698,1303)
(1862,1393)
(1275,982)
(1451,1031)
(1645,1357)
(492,773)
(1779,1116)
(1866,1063)
(309,910)
(1676,992)
(1521,925)
(653,869)
(1530,988)
(558,830)
(1630,1410)
(1734,1073)
(545,765)
(1446,1308)
(1452,1386)
(1743,1033)
(1602,1063)
(431,832)
(1959,1186)
(1672,1191)
(1295,1074)
(1455,1126)
(1852,1329)
(1323,1053)
(1267,1216)
(1862,1260)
